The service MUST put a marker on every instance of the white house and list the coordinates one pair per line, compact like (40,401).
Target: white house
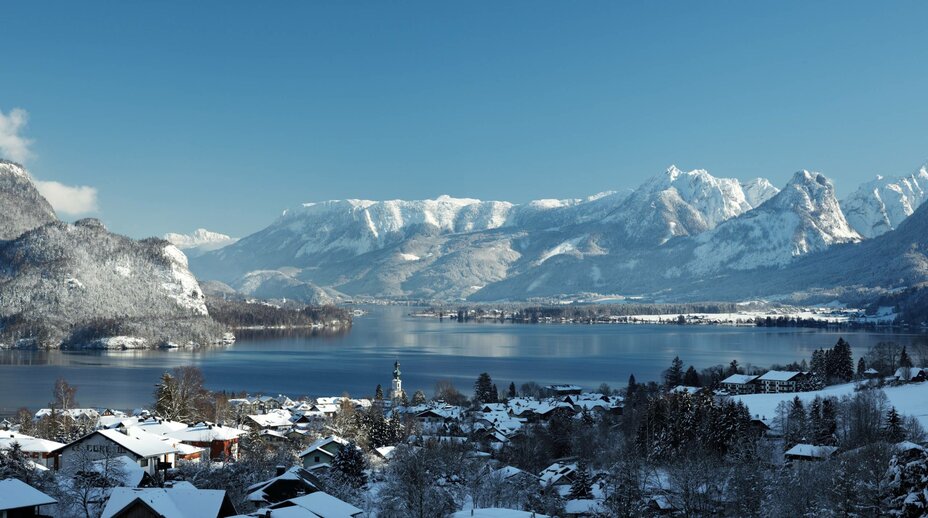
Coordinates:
(148,451)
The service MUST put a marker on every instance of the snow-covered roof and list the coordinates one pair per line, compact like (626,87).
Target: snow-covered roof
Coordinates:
(321,504)
(206,432)
(913,373)
(297,473)
(181,501)
(273,418)
(584,507)
(511,471)
(28,443)
(140,442)
(318,445)
(15,493)
(495,512)
(811,451)
(555,472)
(779,375)
(739,379)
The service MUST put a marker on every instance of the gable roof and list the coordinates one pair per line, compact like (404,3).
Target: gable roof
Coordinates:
(15,493)
(322,505)
(779,375)
(318,445)
(740,379)
(811,451)
(142,444)
(181,501)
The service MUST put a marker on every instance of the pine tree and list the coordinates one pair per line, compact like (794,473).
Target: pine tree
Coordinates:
(842,363)
(404,401)
(632,387)
(691,378)
(418,398)
(349,465)
(797,423)
(904,360)
(582,487)
(861,367)
(673,377)
(378,393)
(484,390)
(894,431)
(733,368)
(512,390)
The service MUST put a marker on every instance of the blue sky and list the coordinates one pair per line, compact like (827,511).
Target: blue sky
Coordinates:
(221,115)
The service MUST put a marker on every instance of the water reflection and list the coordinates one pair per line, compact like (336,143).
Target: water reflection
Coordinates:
(356,360)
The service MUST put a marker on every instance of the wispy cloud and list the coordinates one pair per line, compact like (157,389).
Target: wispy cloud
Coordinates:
(12,144)
(68,199)
(65,199)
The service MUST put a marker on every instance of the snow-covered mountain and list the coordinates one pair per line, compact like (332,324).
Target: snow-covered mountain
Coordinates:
(880,205)
(452,248)
(804,217)
(18,192)
(200,241)
(75,283)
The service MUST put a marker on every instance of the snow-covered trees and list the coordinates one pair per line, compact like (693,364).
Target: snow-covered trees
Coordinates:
(180,395)
(418,398)
(484,390)
(582,485)
(907,484)
(349,464)
(674,375)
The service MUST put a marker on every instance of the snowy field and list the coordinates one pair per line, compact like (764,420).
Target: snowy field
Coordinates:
(911,399)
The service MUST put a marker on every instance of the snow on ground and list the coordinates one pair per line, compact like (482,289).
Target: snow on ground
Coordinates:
(910,399)
(832,315)
(409,257)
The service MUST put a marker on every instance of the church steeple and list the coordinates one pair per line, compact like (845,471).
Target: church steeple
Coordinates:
(396,392)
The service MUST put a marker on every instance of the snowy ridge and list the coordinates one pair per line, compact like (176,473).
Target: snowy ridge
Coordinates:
(201,240)
(878,206)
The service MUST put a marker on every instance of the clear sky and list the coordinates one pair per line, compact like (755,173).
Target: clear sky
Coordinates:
(221,115)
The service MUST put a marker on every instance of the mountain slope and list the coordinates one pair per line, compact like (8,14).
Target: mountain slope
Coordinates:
(25,207)
(199,242)
(880,205)
(74,284)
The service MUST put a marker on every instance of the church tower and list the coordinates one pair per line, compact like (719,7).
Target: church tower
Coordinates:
(396,393)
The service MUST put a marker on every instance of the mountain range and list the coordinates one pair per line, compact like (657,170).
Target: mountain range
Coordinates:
(681,235)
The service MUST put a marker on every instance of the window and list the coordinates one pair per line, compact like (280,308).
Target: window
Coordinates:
(317,459)
(143,463)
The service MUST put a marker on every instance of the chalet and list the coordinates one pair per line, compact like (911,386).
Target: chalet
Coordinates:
(774,382)
(20,500)
(559,473)
(277,419)
(313,505)
(911,374)
(809,452)
(321,452)
(564,390)
(148,451)
(38,450)
(182,500)
(220,441)
(287,484)
(740,384)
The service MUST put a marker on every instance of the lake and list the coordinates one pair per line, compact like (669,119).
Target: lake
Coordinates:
(429,350)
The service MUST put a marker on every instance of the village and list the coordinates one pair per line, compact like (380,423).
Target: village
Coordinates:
(535,451)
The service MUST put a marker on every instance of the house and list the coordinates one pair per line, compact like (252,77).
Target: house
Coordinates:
(276,419)
(314,505)
(564,390)
(809,452)
(149,451)
(558,473)
(774,382)
(321,452)
(179,501)
(911,374)
(740,384)
(495,512)
(20,500)
(871,373)
(515,476)
(122,471)
(221,441)
(287,484)
(38,450)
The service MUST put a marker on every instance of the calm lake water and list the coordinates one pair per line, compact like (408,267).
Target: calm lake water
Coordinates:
(429,350)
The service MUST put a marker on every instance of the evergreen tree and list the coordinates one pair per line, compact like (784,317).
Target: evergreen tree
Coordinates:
(349,465)
(632,387)
(817,366)
(828,422)
(904,360)
(894,430)
(691,378)
(733,368)
(418,398)
(512,390)
(582,486)
(484,390)
(378,393)
(842,364)
(404,401)
(673,377)
(861,367)
(797,423)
